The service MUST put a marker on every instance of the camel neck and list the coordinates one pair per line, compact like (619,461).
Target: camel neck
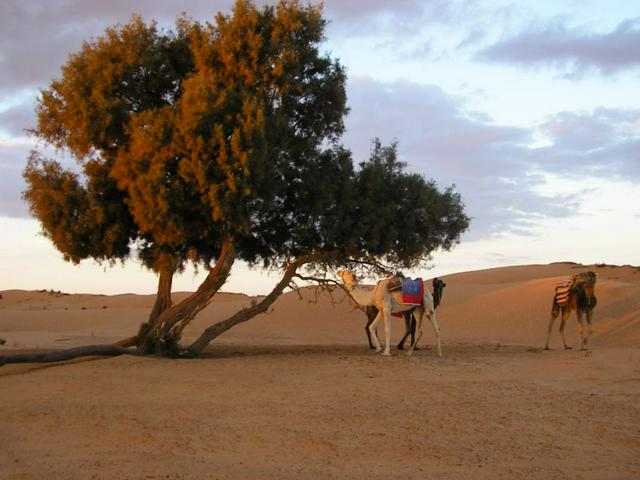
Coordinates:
(363,296)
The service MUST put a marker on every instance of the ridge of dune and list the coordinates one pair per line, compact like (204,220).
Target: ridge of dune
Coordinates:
(519,273)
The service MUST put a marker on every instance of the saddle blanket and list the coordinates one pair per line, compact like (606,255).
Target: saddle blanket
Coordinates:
(562,291)
(412,291)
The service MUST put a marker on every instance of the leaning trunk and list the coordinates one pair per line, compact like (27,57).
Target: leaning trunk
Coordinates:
(162,336)
(247,313)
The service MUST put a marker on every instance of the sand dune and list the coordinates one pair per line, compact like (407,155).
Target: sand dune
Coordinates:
(506,305)
(296,393)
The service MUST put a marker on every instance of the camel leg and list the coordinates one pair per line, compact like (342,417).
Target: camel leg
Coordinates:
(418,318)
(554,314)
(407,330)
(566,313)
(436,330)
(370,319)
(373,333)
(583,339)
(589,321)
(412,327)
(386,314)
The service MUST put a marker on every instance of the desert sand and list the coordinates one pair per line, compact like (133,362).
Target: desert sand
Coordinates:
(297,394)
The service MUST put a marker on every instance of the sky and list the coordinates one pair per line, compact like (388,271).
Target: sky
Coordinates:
(531,109)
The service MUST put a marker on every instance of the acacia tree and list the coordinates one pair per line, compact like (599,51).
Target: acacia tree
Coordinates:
(220,142)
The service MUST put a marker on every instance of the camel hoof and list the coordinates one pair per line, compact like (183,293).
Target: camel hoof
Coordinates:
(409,353)
(386,354)
(566,347)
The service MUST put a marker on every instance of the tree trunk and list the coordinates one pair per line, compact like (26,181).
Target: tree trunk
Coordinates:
(163,297)
(162,336)
(166,268)
(247,313)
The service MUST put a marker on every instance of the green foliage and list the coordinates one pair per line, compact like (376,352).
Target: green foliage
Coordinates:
(401,217)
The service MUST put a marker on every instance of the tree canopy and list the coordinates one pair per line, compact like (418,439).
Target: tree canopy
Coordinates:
(221,141)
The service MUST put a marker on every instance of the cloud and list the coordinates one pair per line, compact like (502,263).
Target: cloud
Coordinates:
(37,36)
(572,50)
(15,120)
(406,16)
(604,143)
(491,165)
(408,29)
(12,160)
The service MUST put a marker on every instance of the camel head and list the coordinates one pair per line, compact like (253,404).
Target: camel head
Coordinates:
(587,277)
(584,287)
(348,277)
(586,295)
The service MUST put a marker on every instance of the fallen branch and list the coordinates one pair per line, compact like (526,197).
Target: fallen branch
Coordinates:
(69,354)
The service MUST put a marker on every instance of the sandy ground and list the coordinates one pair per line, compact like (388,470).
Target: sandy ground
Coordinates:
(296,394)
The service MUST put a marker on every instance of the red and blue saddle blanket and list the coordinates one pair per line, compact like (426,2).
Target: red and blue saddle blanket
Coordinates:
(412,291)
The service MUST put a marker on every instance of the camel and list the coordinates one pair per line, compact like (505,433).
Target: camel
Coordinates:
(409,321)
(580,297)
(387,303)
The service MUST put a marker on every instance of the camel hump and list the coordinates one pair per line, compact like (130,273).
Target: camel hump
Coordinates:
(394,283)
(562,291)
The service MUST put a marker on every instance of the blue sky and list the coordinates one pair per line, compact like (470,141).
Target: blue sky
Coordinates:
(532,109)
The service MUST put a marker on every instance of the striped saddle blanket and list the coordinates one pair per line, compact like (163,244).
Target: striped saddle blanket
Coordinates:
(562,291)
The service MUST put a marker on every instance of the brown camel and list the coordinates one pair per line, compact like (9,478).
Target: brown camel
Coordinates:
(578,295)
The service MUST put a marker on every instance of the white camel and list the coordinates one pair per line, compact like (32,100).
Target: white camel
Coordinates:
(387,303)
